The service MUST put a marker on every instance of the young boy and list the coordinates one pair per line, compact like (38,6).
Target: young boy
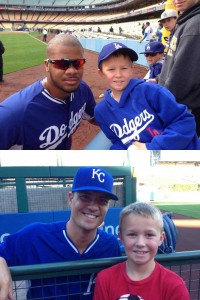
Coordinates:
(168,20)
(139,113)
(154,53)
(140,276)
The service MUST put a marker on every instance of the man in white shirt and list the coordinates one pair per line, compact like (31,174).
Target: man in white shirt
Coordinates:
(148,33)
(44,35)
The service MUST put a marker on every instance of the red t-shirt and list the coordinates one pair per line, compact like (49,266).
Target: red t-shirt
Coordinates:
(162,284)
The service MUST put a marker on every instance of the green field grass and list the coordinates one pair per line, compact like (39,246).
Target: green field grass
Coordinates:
(189,209)
(23,50)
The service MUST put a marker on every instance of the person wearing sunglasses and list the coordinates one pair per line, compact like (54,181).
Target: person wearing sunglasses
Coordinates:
(180,72)
(154,53)
(139,114)
(45,114)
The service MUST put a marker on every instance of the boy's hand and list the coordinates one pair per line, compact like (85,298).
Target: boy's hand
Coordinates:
(140,146)
(151,80)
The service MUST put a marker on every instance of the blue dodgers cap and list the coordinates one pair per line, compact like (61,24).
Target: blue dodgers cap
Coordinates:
(93,179)
(154,47)
(109,49)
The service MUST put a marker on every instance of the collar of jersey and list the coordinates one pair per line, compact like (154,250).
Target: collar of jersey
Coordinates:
(74,247)
(56,100)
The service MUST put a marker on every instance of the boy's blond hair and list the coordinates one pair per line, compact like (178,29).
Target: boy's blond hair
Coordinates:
(142,209)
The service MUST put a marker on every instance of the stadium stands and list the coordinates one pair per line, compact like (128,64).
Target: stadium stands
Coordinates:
(81,17)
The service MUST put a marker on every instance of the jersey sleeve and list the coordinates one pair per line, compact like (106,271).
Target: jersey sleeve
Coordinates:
(179,125)
(90,103)
(18,249)
(10,125)
(157,69)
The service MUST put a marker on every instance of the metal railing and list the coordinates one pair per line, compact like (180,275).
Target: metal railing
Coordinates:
(185,264)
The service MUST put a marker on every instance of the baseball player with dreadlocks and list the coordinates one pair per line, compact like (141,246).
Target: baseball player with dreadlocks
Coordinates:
(45,114)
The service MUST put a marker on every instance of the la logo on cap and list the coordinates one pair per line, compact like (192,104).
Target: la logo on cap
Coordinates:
(100,175)
(117,46)
(148,47)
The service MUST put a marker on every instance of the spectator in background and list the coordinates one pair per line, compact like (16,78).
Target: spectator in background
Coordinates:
(44,35)
(2,50)
(111,29)
(140,276)
(168,20)
(78,238)
(159,32)
(154,53)
(181,72)
(143,28)
(148,33)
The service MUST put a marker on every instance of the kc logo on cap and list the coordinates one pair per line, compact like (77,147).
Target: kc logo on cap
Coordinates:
(101,175)
(94,179)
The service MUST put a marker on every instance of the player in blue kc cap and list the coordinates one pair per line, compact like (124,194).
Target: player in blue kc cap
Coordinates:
(78,238)
(93,179)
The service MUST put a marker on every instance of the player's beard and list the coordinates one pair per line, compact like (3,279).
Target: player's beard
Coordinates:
(61,87)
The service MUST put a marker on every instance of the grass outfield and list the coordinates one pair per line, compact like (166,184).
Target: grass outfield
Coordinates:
(189,209)
(23,50)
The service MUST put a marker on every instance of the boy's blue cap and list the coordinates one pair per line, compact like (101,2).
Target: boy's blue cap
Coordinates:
(93,179)
(109,49)
(154,47)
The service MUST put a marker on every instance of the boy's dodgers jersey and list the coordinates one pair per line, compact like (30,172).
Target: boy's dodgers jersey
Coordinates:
(40,243)
(156,68)
(32,119)
(147,113)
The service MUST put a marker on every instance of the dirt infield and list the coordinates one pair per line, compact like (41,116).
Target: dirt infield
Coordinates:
(86,132)
(188,233)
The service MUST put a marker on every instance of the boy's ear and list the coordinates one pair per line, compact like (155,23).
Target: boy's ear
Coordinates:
(120,235)
(100,72)
(162,236)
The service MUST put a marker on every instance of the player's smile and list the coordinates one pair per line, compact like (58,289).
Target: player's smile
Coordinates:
(90,216)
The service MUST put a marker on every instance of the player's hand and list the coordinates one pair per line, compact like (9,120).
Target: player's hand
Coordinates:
(5,281)
(140,146)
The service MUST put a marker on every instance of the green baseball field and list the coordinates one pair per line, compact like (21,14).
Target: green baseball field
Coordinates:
(190,209)
(23,50)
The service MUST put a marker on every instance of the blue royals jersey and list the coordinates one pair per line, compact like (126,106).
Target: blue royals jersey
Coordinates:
(47,243)
(147,113)
(32,119)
